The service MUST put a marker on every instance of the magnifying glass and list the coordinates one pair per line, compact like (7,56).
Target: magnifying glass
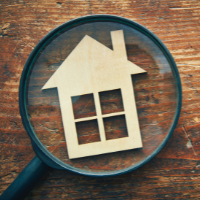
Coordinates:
(157,98)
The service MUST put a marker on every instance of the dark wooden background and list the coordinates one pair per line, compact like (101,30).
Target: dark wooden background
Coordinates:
(175,172)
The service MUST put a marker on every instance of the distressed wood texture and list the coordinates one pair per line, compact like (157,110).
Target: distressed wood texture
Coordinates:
(175,172)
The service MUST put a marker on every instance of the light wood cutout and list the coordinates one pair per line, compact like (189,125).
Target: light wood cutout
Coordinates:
(92,68)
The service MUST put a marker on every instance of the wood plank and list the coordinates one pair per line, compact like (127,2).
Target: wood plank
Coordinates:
(174,172)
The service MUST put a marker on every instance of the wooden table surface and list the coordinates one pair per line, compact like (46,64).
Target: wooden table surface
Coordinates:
(175,172)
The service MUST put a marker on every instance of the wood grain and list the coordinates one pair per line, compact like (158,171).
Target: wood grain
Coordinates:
(174,173)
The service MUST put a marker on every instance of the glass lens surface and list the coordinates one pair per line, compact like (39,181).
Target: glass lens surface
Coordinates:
(155,94)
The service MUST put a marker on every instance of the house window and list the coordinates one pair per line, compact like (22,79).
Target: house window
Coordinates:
(83,106)
(92,134)
(102,114)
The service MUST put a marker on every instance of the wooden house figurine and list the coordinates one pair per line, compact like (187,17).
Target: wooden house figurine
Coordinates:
(92,68)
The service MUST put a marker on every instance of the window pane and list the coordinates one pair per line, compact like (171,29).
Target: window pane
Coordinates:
(83,106)
(115,127)
(87,131)
(111,101)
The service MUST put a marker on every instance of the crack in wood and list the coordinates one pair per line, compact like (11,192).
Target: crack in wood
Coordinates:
(183,8)
(189,142)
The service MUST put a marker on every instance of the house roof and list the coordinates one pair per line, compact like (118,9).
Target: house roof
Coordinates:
(91,62)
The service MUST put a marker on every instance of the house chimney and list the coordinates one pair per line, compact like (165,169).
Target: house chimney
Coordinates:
(118,44)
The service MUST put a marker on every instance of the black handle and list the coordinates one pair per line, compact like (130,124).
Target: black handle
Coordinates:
(26,180)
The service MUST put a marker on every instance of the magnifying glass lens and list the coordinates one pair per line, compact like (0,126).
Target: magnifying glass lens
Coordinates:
(155,95)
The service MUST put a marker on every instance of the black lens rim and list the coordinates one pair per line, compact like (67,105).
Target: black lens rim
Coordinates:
(39,149)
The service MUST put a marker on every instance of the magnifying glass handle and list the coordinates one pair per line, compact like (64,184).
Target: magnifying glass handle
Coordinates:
(26,180)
